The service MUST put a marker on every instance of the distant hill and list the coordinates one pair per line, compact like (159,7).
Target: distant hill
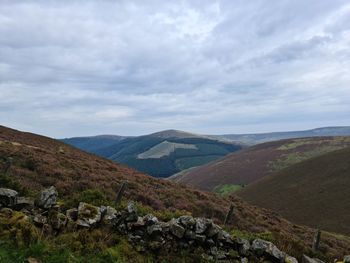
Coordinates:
(164,153)
(40,162)
(93,143)
(246,166)
(314,192)
(252,139)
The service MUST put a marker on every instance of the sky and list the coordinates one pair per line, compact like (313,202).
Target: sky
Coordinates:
(77,68)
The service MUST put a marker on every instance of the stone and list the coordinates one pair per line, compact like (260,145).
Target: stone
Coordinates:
(189,234)
(290,259)
(306,259)
(39,220)
(243,246)
(150,219)
(57,220)
(8,197)
(32,260)
(244,260)
(131,213)
(200,238)
(213,230)
(110,214)
(264,247)
(24,203)
(346,259)
(155,229)
(202,224)
(176,229)
(88,215)
(47,198)
(187,221)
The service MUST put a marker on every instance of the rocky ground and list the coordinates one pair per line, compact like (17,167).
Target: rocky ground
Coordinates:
(145,233)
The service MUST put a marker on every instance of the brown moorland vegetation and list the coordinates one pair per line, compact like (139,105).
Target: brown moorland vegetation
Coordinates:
(39,162)
(252,164)
(314,192)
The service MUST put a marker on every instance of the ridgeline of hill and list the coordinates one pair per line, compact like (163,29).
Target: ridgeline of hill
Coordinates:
(39,162)
(160,154)
(257,138)
(251,164)
(314,192)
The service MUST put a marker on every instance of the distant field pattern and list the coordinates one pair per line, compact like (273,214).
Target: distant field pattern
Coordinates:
(164,149)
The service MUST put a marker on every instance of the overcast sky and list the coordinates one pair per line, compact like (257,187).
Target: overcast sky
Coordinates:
(70,68)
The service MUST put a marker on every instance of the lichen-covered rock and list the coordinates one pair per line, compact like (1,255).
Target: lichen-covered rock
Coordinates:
(88,215)
(187,221)
(8,197)
(110,214)
(24,203)
(57,220)
(243,246)
(131,215)
(264,247)
(155,229)
(346,259)
(290,259)
(47,198)
(202,225)
(150,219)
(176,229)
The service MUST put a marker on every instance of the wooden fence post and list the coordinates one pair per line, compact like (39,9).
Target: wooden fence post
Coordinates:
(229,215)
(316,241)
(121,192)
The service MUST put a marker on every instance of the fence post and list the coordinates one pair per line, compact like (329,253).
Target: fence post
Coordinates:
(229,215)
(316,241)
(121,192)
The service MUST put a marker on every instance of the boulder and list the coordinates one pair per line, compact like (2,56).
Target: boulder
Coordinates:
(47,198)
(8,197)
(176,229)
(88,215)
(264,247)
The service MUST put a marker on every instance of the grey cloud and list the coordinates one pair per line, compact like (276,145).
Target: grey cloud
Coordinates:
(131,67)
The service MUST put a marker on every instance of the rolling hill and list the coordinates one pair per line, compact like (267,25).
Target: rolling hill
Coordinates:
(252,139)
(164,153)
(93,143)
(40,162)
(251,164)
(314,192)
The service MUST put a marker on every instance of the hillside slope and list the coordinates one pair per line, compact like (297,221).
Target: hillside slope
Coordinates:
(314,192)
(164,153)
(251,164)
(39,162)
(252,139)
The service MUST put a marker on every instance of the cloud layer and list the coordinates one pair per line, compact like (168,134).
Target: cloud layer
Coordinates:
(72,68)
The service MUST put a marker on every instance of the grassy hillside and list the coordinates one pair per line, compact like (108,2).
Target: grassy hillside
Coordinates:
(40,162)
(251,164)
(314,192)
(165,153)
